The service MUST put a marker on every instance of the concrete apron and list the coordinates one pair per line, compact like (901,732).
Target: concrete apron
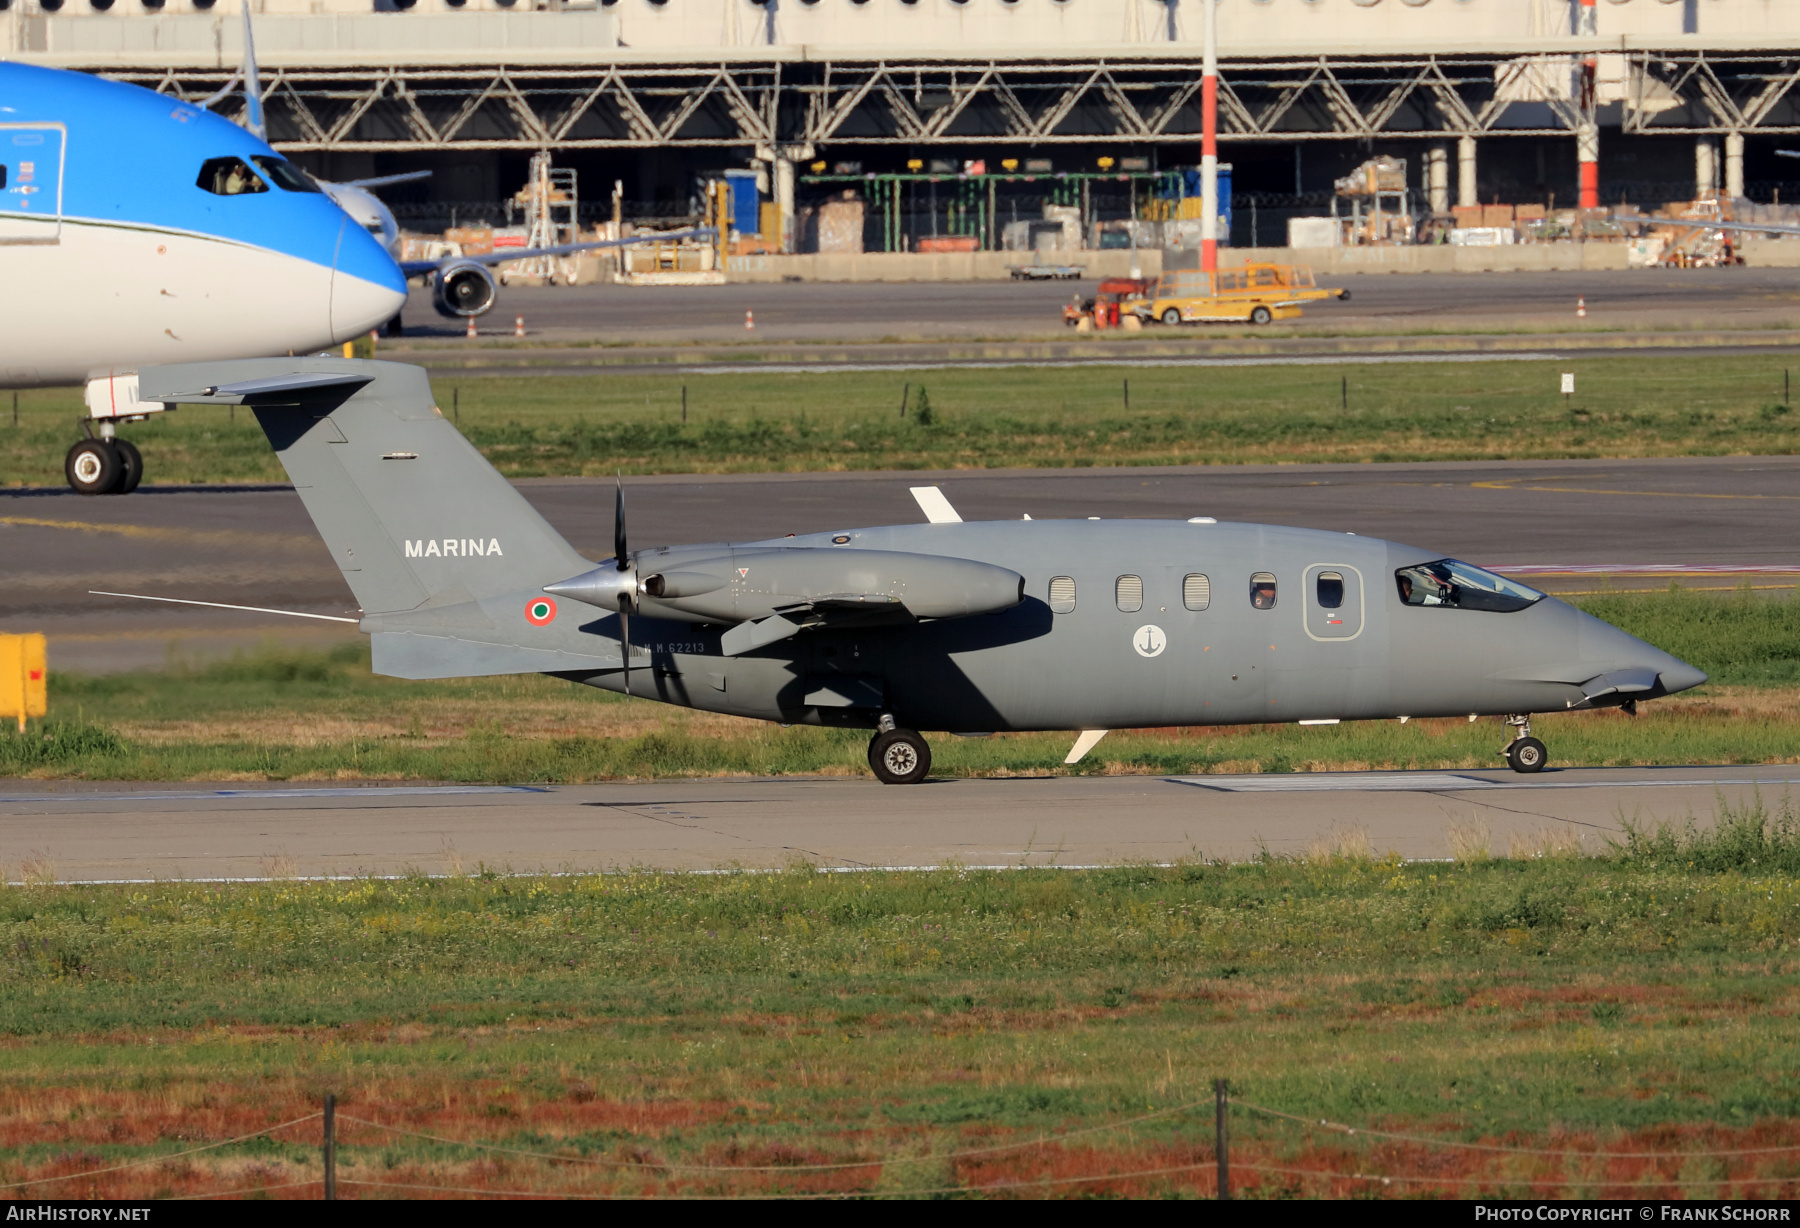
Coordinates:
(1324,261)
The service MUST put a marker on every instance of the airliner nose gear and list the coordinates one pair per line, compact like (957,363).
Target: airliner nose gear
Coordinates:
(104,467)
(92,467)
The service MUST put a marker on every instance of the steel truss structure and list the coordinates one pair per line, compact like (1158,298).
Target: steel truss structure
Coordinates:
(1121,103)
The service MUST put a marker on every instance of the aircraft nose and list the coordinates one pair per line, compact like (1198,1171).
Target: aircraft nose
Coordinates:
(1680,676)
(367,287)
(1619,654)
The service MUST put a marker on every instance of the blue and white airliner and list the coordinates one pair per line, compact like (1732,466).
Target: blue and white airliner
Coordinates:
(138,229)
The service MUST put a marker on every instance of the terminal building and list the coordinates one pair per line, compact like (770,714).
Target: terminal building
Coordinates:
(965,116)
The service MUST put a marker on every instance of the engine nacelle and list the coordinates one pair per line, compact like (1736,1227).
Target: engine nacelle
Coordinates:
(748,584)
(460,290)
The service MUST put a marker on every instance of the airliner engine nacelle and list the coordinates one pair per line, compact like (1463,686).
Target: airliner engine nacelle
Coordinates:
(462,289)
(744,585)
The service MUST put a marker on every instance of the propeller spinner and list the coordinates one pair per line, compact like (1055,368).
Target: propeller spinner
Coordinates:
(613,585)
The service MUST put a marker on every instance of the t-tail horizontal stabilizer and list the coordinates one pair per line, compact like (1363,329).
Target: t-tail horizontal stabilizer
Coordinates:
(414,516)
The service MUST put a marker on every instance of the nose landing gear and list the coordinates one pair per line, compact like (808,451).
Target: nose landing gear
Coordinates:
(1524,753)
(104,466)
(898,756)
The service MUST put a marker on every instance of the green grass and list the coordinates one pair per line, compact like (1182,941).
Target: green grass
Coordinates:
(1627,406)
(1644,999)
(285,715)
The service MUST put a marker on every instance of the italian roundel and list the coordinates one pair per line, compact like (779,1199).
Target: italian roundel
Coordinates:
(540,611)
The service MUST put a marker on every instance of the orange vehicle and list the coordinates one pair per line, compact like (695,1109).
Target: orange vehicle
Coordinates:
(1115,293)
(1256,293)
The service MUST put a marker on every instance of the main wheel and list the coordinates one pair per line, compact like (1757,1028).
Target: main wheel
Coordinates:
(1171,316)
(92,467)
(899,757)
(1527,755)
(1261,315)
(131,466)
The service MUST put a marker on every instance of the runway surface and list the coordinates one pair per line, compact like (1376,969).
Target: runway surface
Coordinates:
(1680,299)
(83,832)
(1568,522)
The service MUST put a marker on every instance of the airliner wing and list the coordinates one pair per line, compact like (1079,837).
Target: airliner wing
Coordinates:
(1707,223)
(1758,227)
(382,181)
(416,268)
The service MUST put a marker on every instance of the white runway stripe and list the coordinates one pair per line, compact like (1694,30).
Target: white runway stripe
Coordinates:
(1439,782)
(100,795)
(1002,364)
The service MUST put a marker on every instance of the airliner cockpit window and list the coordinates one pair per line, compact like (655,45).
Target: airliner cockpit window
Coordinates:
(1458,586)
(229,177)
(287,176)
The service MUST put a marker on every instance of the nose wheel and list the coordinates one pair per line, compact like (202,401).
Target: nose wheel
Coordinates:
(104,467)
(899,757)
(1524,753)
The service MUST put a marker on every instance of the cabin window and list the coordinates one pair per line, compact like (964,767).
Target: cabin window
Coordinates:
(229,177)
(1062,595)
(287,176)
(2,164)
(1196,591)
(1330,590)
(1459,586)
(1262,591)
(1128,591)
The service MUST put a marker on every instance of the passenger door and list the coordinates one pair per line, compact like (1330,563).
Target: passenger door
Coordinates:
(1334,601)
(31,161)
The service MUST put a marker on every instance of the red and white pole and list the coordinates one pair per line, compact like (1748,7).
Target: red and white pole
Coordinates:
(1587,135)
(1209,141)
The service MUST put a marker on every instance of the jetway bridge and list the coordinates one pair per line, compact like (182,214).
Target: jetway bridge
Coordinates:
(787,81)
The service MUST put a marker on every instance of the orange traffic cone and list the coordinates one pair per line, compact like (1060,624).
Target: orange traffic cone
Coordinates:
(1580,307)
(518,326)
(471,332)
(749,321)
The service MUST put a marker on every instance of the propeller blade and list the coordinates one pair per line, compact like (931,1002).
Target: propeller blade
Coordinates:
(619,553)
(622,560)
(625,640)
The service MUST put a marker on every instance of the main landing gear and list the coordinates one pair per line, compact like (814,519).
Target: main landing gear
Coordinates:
(898,756)
(1524,753)
(104,466)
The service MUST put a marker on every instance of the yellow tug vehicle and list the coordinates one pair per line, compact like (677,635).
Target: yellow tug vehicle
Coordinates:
(1255,294)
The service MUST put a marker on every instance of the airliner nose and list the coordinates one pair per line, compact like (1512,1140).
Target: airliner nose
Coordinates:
(367,287)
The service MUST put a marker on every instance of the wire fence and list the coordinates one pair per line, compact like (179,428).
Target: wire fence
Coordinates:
(1213,1153)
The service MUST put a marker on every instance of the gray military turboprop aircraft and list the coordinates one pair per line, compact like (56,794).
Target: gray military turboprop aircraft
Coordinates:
(1005,625)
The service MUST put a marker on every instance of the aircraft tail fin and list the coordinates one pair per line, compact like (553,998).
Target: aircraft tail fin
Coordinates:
(412,513)
(253,102)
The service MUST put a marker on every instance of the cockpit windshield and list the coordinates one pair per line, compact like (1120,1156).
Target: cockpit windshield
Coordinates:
(287,176)
(229,177)
(1459,586)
